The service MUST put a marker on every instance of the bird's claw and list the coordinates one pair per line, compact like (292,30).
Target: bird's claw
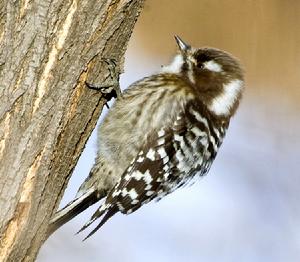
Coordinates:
(111,88)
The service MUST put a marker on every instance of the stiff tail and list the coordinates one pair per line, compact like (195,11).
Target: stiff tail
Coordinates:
(107,210)
(107,216)
(74,208)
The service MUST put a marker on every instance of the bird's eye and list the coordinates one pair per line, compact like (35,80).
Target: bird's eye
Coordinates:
(201,59)
(200,65)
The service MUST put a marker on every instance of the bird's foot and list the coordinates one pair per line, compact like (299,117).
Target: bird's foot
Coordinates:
(110,89)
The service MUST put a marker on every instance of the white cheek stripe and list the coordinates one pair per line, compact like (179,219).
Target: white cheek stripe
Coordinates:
(175,66)
(222,104)
(212,66)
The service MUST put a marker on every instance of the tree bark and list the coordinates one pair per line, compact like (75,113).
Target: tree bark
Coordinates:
(48,49)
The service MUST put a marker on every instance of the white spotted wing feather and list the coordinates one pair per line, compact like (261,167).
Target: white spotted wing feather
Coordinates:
(169,159)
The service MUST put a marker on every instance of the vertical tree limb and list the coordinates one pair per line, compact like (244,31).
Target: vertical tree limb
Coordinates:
(48,49)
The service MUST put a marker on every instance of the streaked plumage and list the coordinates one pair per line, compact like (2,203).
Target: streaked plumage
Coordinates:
(164,131)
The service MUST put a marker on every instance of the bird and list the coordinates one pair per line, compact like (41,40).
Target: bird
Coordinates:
(162,132)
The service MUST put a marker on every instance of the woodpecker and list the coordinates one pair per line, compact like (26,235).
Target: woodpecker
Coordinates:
(161,133)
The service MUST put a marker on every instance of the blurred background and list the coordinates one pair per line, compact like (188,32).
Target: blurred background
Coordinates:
(247,208)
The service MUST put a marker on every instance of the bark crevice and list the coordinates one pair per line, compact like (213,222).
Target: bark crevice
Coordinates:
(48,49)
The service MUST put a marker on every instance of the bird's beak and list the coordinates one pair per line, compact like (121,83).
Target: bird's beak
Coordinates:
(183,47)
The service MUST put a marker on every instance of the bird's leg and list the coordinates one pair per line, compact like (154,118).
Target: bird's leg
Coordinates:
(110,89)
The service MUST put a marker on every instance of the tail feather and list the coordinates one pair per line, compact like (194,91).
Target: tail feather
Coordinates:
(74,208)
(94,217)
(107,216)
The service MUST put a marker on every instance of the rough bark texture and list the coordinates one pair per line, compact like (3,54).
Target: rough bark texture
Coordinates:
(48,49)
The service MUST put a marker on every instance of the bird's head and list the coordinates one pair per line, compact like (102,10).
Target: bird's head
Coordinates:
(215,74)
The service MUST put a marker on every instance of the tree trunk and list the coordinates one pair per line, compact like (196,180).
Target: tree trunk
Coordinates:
(48,49)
